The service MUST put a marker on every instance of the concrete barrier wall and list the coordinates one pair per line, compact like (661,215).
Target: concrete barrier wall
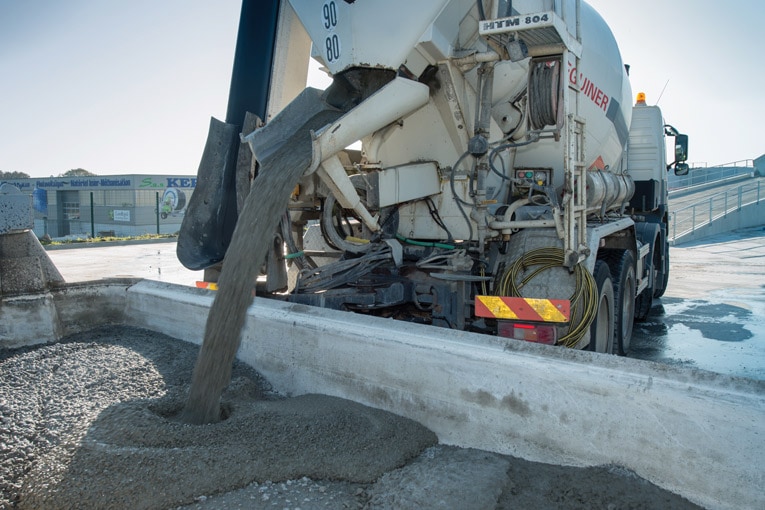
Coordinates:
(28,320)
(87,305)
(692,432)
(695,433)
(65,309)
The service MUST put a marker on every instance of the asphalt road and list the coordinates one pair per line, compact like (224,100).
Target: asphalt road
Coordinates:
(712,316)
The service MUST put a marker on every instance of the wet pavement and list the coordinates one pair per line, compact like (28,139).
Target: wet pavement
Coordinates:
(712,316)
(710,335)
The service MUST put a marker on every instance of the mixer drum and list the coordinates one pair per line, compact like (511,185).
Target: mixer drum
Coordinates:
(605,98)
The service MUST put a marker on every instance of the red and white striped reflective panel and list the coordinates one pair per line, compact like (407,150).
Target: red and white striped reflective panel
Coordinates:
(525,309)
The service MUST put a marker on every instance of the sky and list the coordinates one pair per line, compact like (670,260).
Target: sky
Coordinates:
(129,86)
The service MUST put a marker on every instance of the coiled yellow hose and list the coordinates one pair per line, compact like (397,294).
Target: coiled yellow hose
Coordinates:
(584,298)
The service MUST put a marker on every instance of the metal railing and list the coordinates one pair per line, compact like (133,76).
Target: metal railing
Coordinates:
(690,218)
(701,176)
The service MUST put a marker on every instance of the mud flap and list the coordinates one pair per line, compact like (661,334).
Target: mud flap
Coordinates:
(211,214)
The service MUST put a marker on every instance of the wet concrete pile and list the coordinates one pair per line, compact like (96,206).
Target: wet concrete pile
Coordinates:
(91,422)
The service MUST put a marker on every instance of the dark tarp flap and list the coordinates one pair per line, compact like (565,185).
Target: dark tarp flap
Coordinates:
(211,214)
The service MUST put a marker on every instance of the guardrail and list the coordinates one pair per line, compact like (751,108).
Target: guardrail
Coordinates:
(704,164)
(690,218)
(701,176)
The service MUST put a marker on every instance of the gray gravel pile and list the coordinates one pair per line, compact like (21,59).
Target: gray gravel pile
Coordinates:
(50,395)
(90,423)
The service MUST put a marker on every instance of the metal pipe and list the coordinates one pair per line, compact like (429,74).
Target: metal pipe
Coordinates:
(332,173)
(395,100)
(253,59)
(483,119)
(476,58)
(506,227)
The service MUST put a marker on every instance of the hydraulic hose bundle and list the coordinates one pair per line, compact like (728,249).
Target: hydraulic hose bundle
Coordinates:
(544,83)
(584,300)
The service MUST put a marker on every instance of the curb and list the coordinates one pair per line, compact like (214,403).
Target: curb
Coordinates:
(97,244)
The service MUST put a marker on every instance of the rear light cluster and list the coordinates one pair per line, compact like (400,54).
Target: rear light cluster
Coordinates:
(537,333)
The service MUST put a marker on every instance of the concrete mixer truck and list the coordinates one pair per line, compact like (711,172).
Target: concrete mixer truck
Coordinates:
(482,167)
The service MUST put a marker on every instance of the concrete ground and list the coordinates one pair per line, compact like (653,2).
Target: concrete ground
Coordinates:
(152,261)
(733,260)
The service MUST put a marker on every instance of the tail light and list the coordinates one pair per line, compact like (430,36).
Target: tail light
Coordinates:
(537,333)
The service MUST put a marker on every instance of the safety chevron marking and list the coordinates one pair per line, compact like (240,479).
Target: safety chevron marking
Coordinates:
(525,309)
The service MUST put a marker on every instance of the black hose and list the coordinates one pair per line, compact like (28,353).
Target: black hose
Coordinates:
(510,145)
(543,93)
(343,272)
(451,180)
(302,261)
(437,219)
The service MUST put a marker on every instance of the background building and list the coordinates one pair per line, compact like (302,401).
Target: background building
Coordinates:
(114,205)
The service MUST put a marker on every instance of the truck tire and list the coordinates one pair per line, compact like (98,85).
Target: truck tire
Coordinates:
(602,327)
(623,267)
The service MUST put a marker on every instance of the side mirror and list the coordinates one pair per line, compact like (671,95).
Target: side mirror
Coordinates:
(681,149)
(681,168)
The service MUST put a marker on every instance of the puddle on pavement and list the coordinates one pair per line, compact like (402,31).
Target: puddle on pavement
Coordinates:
(710,335)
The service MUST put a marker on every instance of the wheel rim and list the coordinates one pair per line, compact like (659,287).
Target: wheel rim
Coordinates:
(628,311)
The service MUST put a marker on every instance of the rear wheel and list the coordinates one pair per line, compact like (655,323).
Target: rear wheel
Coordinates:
(624,296)
(602,328)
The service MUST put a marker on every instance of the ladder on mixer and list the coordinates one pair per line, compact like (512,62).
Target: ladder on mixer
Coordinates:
(574,163)
(575,211)
(575,215)
(546,34)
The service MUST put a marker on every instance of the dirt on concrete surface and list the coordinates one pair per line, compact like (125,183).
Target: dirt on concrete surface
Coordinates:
(90,422)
